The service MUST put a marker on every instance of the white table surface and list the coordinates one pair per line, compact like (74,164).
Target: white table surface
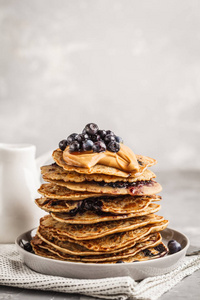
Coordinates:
(181,206)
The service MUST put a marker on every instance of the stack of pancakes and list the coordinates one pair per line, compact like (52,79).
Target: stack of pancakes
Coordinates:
(99,215)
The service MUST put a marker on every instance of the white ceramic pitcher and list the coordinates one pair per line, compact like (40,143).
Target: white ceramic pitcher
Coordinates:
(19,181)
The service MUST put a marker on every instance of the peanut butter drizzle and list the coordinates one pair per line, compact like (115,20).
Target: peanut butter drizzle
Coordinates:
(124,159)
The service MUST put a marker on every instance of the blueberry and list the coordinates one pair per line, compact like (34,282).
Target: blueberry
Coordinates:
(87,205)
(71,138)
(99,146)
(173,246)
(91,128)
(109,132)
(74,147)
(96,207)
(101,133)
(63,145)
(84,131)
(73,212)
(113,147)
(147,252)
(109,138)
(81,137)
(118,139)
(95,137)
(119,262)
(28,247)
(85,136)
(87,145)
(97,204)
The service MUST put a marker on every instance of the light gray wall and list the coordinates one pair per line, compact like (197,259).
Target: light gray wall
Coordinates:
(130,66)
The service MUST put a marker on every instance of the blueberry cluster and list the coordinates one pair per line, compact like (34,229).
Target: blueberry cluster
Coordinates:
(91,204)
(92,139)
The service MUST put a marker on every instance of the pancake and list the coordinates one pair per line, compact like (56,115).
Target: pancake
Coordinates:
(146,254)
(117,204)
(67,246)
(119,240)
(143,161)
(90,217)
(52,190)
(88,232)
(92,245)
(152,241)
(55,172)
(73,248)
(39,250)
(46,250)
(104,245)
(135,189)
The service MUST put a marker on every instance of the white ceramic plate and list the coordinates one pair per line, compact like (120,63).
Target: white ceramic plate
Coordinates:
(137,270)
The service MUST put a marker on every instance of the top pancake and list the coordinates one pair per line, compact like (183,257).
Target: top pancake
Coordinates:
(143,161)
(55,172)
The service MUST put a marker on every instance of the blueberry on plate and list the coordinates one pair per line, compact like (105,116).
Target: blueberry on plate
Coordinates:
(91,128)
(28,247)
(63,145)
(113,147)
(173,246)
(119,262)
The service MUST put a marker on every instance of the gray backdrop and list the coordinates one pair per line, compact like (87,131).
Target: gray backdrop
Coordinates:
(130,66)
